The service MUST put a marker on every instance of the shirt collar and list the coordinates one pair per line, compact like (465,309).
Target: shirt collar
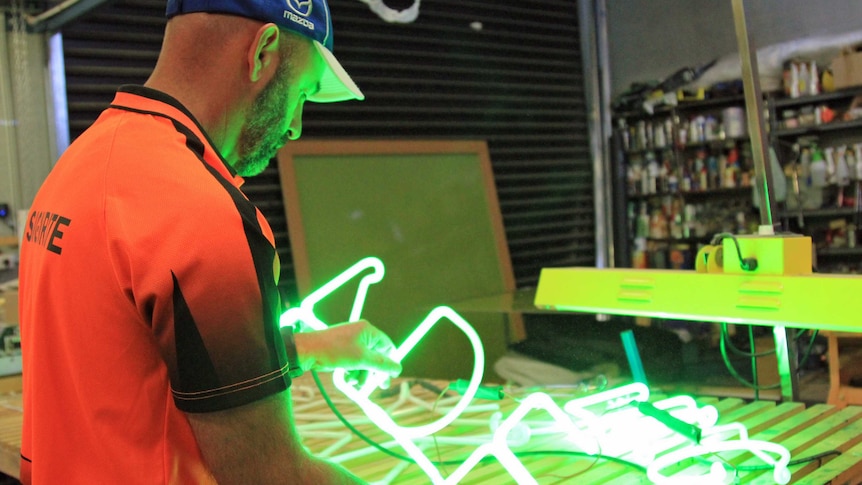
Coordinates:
(142,98)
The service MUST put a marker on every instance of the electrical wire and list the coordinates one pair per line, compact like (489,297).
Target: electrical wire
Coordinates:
(352,428)
(436,444)
(807,354)
(726,343)
(798,461)
(519,454)
(754,377)
(582,454)
(736,350)
(753,468)
(747,264)
(733,371)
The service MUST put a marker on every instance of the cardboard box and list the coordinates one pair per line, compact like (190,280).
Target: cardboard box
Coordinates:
(847,68)
(10,307)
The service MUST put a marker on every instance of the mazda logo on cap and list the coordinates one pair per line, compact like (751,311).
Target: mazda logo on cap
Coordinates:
(301,7)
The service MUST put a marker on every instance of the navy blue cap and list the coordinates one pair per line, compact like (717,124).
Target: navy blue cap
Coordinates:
(309,18)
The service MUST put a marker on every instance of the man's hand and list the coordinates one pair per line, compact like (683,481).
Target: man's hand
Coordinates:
(354,346)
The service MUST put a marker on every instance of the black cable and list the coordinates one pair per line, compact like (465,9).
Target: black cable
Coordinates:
(747,264)
(519,454)
(736,375)
(755,355)
(808,349)
(753,364)
(798,461)
(725,341)
(583,454)
(352,428)
(736,350)
(742,353)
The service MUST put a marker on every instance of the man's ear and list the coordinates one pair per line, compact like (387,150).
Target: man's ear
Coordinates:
(263,53)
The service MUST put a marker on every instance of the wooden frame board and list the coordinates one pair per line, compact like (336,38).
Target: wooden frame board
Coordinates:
(428,210)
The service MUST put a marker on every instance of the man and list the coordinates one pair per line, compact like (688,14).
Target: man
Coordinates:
(149,307)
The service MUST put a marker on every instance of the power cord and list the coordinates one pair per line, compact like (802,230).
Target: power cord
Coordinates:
(798,461)
(753,385)
(726,343)
(747,264)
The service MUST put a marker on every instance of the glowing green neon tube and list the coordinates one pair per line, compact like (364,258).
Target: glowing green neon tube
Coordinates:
(600,422)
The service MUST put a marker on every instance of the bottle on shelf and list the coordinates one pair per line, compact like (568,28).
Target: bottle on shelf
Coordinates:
(652,174)
(701,173)
(805,167)
(639,254)
(829,156)
(643,222)
(857,151)
(679,164)
(819,169)
(842,174)
(731,170)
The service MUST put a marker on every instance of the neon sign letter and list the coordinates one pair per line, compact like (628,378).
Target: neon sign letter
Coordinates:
(603,421)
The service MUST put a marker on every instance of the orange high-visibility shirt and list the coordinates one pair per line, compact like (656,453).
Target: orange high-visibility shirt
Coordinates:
(147,291)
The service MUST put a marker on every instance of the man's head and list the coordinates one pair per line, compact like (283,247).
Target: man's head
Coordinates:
(308,18)
(295,36)
(275,116)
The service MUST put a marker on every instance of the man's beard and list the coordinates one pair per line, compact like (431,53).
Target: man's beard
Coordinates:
(261,137)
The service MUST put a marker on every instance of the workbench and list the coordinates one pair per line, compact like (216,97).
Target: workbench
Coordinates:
(804,431)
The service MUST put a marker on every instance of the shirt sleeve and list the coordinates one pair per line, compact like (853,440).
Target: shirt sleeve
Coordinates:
(199,263)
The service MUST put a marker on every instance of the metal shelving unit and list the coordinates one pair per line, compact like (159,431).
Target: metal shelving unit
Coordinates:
(822,222)
(687,140)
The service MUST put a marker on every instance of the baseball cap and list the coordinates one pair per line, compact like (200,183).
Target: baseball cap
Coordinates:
(309,18)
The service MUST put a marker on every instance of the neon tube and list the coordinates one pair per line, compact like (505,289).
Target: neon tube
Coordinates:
(605,421)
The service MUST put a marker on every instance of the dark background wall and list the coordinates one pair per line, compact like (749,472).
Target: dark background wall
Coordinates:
(505,71)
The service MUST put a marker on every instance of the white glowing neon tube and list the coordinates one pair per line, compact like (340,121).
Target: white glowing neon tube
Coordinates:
(305,312)
(378,415)
(600,422)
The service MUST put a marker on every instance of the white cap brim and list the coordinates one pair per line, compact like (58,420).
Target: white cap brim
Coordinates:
(335,84)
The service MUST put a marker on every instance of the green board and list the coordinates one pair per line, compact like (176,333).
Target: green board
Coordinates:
(429,211)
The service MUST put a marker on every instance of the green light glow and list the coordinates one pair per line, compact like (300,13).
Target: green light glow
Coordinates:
(818,301)
(604,422)
(305,312)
